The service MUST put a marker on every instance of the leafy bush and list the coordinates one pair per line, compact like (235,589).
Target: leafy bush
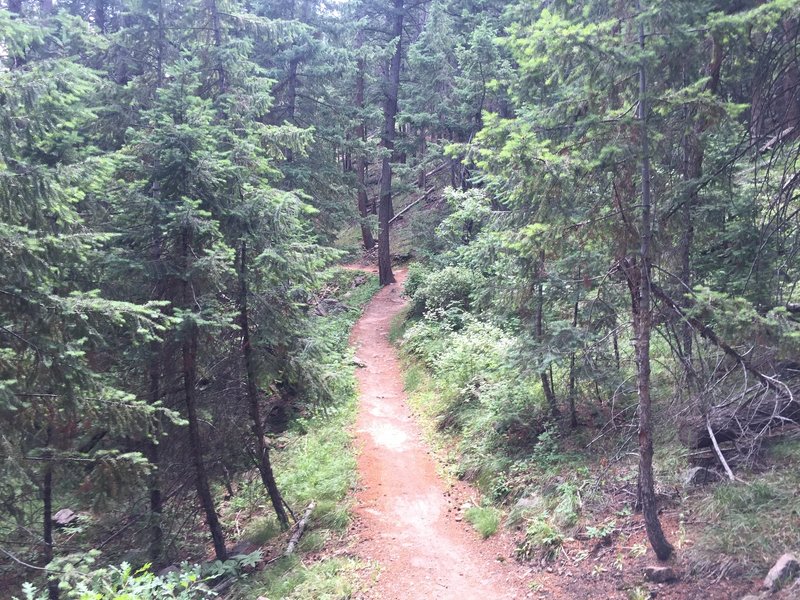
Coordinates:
(444,289)
(81,580)
(417,274)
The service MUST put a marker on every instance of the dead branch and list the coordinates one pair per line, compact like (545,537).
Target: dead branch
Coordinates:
(427,193)
(301,526)
(718,451)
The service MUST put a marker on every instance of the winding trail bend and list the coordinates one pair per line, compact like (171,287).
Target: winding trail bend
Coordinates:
(405,514)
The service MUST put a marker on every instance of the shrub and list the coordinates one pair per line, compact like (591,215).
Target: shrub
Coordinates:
(541,538)
(80,579)
(417,274)
(445,289)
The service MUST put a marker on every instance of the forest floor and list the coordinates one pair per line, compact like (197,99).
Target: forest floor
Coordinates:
(407,517)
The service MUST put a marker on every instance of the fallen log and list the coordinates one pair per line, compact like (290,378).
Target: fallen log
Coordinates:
(301,526)
(412,205)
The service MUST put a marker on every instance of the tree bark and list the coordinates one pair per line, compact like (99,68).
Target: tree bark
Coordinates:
(291,101)
(392,90)
(262,449)
(189,352)
(361,161)
(154,458)
(47,519)
(222,79)
(642,314)
(100,15)
(573,414)
(693,155)
(15,7)
(46,6)
(547,386)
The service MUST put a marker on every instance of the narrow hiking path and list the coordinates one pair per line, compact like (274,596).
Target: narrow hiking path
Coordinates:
(405,514)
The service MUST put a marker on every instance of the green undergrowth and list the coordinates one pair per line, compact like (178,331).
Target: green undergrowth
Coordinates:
(317,463)
(485,519)
(327,579)
(486,415)
(756,520)
(483,408)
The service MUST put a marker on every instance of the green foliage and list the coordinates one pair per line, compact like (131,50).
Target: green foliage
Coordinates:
(484,519)
(747,520)
(332,579)
(449,289)
(233,566)
(541,540)
(602,531)
(82,580)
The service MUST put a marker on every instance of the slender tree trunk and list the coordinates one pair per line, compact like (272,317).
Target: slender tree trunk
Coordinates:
(547,386)
(154,458)
(387,141)
(100,15)
(189,352)
(791,84)
(222,79)
(15,7)
(262,449)
(46,6)
(573,414)
(291,101)
(643,324)
(361,161)
(47,519)
(693,155)
(160,46)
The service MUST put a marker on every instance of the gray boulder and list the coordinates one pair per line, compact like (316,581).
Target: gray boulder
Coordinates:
(782,572)
(701,476)
(660,574)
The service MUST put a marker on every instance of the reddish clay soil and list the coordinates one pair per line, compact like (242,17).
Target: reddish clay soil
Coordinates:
(405,514)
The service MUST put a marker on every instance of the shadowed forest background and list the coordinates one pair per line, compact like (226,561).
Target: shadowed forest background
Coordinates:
(600,204)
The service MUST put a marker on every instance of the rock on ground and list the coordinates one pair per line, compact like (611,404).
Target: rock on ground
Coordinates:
(701,476)
(783,571)
(660,574)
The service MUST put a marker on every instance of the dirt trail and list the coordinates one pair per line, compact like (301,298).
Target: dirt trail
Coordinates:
(405,514)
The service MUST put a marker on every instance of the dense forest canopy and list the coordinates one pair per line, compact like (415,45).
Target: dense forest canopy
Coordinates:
(602,200)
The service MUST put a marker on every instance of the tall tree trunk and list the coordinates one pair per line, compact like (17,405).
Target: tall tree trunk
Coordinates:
(361,161)
(262,449)
(160,48)
(46,6)
(154,458)
(693,155)
(15,7)
(100,15)
(573,414)
(216,26)
(189,352)
(643,323)
(291,100)
(387,141)
(47,518)
(547,386)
